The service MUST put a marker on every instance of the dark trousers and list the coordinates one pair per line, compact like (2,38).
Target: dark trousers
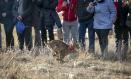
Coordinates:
(121,33)
(9,26)
(91,33)
(103,39)
(25,37)
(44,30)
(56,19)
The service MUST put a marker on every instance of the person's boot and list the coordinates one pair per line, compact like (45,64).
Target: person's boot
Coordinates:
(91,51)
(105,53)
(124,52)
(81,47)
(118,49)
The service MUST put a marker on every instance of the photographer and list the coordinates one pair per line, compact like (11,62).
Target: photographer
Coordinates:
(104,16)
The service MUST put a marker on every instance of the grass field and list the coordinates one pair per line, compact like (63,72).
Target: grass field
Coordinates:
(25,65)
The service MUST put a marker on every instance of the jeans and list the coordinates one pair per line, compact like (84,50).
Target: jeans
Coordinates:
(70,31)
(91,33)
(26,37)
(103,39)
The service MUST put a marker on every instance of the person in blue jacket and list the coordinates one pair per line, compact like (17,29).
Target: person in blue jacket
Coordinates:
(104,16)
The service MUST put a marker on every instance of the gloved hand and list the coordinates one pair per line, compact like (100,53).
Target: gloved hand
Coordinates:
(60,33)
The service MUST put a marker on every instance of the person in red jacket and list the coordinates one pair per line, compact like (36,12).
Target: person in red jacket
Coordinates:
(70,24)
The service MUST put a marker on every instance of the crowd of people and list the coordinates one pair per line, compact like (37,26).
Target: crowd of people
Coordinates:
(98,16)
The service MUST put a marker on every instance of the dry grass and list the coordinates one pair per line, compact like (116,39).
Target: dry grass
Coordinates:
(15,64)
(26,66)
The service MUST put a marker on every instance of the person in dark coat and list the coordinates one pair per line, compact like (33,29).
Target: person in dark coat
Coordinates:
(85,20)
(29,14)
(49,19)
(7,19)
(121,29)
